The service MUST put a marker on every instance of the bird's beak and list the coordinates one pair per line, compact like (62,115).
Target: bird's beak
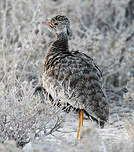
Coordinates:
(45,23)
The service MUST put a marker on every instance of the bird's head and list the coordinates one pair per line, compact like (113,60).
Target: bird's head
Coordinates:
(59,25)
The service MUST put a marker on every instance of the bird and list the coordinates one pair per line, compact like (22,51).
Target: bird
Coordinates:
(72,77)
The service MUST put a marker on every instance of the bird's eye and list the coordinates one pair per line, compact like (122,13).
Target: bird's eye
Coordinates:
(55,23)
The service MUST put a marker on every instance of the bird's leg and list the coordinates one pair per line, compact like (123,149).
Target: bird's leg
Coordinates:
(79,124)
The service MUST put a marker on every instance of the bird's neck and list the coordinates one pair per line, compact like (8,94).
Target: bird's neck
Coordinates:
(60,44)
(57,48)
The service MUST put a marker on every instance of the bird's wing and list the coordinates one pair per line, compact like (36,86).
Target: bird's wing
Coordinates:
(87,59)
(81,81)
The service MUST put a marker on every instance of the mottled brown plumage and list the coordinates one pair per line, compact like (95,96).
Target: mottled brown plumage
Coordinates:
(71,76)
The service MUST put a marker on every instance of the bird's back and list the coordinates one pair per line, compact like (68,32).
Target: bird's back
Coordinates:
(73,77)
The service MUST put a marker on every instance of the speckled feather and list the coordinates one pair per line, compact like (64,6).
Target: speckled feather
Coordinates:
(74,78)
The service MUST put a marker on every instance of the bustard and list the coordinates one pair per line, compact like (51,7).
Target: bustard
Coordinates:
(72,77)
